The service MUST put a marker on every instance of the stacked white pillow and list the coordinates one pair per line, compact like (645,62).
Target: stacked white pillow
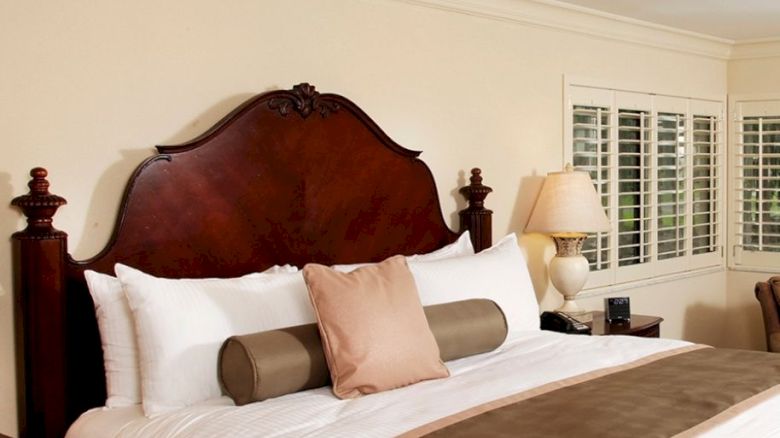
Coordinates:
(181,324)
(120,349)
(499,273)
(460,247)
(117,335)
(161,337)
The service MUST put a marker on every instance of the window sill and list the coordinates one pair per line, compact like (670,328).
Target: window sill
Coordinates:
(606,290)
(761,269)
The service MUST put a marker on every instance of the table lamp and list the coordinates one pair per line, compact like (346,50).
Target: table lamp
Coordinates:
(568,208)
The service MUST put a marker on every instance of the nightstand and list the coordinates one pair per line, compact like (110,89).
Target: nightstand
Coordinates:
(640,325)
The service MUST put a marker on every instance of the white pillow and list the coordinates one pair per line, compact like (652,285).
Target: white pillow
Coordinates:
(181,324)
(460,247)
(498,273)
(117,336)
(120,351)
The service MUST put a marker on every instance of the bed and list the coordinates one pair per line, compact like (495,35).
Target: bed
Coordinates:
(294,177)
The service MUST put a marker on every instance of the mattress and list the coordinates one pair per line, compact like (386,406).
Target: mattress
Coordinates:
(528,360)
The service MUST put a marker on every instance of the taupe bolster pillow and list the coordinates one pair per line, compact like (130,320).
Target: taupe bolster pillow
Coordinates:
(465,328)
(268,364)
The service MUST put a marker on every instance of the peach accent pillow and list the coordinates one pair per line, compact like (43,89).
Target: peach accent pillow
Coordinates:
(373,328)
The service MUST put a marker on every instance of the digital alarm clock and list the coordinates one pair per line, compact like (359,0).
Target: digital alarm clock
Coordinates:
(617,309)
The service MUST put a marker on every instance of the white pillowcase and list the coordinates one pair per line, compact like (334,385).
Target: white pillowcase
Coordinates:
(498,273)
(120,351)
(460,247)
(117,336)
(181,324)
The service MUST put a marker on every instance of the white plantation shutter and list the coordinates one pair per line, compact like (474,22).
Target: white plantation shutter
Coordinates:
(591,126)
(634,186)
(655,161)
(757,183)
(706,207)
(672,197)
(705,193)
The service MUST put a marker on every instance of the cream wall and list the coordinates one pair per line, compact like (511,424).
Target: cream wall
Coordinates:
(744,326)
(87,88)
(754,75)
(744,323)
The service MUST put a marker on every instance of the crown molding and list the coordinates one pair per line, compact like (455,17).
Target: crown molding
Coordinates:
(758,48)
(566,17)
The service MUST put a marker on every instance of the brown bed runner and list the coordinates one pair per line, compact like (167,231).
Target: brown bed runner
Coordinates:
(657,397)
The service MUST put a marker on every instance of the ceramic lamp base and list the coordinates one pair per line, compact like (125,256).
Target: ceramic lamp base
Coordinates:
(570,307)
(569,270)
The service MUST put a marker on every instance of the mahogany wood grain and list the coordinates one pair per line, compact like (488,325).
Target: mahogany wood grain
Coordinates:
(290,176)
(476,218)
(640,325)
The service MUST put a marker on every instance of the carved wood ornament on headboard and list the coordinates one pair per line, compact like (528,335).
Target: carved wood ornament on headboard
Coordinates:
(290,176)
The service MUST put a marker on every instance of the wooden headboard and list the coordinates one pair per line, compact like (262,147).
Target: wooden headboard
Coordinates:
(290,176)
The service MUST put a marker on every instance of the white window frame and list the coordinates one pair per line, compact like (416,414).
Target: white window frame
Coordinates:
(598,93)
(764,104)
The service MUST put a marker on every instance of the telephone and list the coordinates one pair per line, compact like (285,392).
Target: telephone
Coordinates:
(561,322)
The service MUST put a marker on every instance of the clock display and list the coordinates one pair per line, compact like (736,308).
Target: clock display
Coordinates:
(617,309)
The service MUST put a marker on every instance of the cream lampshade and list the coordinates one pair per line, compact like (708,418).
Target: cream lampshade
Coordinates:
(568,208)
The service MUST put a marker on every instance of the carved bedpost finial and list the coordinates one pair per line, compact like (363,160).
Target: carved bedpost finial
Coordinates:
(39,206)
(476,218)
(305,99)
(475,192)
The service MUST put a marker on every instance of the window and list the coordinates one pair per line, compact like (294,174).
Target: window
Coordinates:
(756,182)
(656,162)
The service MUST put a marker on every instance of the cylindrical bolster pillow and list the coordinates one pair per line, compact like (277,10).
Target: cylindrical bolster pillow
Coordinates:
(466,328)
(269,364)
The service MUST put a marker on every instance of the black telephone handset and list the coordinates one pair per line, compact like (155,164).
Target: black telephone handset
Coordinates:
(561,322)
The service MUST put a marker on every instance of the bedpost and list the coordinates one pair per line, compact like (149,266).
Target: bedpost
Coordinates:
(39,253)
(476,218)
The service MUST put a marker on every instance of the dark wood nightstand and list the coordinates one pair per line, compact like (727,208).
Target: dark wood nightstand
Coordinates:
(640,325)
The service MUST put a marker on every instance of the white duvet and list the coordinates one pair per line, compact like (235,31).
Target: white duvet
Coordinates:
(529,360)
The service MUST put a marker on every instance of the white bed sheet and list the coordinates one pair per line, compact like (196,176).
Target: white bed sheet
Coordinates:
(529,360)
